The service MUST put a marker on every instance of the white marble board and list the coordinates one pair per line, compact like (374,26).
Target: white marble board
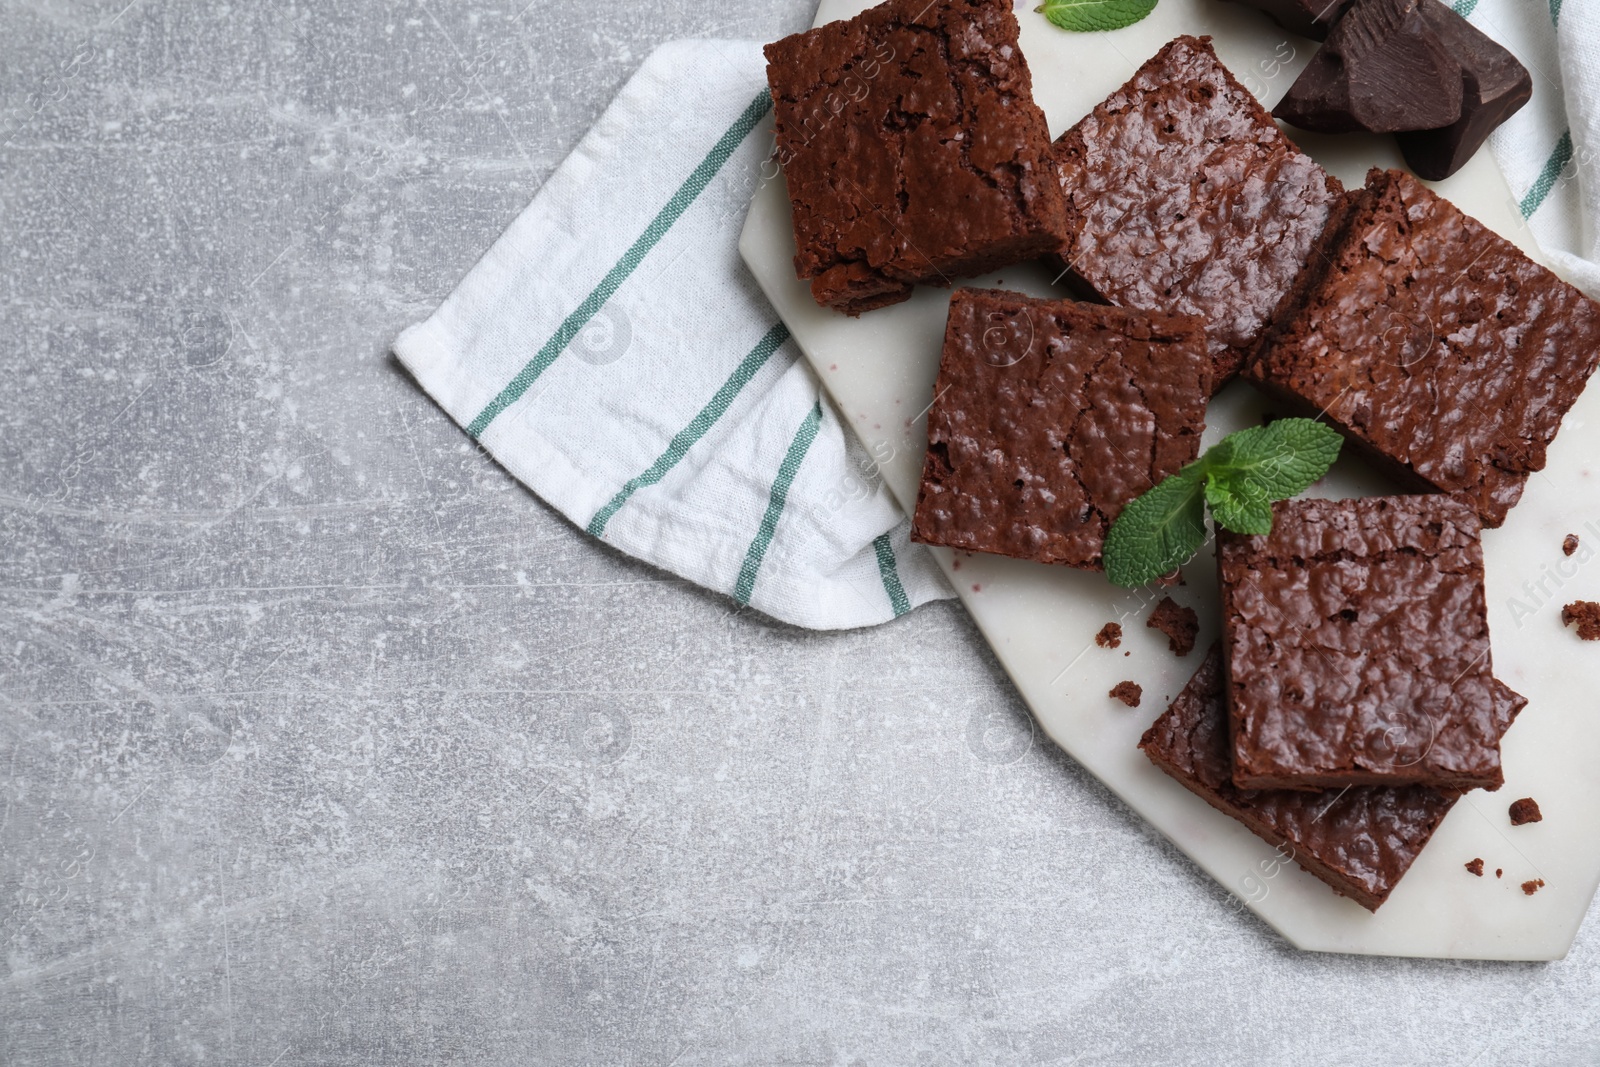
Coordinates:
(1041,620)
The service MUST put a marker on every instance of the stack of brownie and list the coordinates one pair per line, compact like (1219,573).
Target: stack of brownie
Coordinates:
(1352,699)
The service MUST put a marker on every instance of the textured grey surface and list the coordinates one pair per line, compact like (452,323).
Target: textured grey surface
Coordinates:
(323,742)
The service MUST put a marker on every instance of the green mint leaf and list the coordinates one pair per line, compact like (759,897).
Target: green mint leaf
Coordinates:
(1247,512)
(1272,462)
(1090,15)
(1158,531)
(1239,477)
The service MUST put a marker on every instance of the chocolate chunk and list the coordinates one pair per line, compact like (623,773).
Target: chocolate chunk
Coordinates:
(1586,613)
(1525,810)
(1308,18)
(1179,623)
(1110,635)
(1127,692)
(1385,69)
(1533,886)
(1476,867)
(1494,86)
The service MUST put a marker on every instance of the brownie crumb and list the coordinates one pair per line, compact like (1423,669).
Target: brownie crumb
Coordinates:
(1127,692)
(1476,867)
(1498,872)
(1525,810)
(1110,635)
(1570,545)
(1179,623)
(1586,613)
(1533,886)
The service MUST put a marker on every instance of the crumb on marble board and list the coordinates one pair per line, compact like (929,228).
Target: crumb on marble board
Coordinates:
(1532,886)
(1110,635)
(1179,623)
(1525,810)
(1128,692)
(1586,613)
(1476,867)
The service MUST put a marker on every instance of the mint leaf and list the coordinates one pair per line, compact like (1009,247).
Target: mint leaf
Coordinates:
(1239,477)
(1246,513)
(1089,15)
(1275,462)
(1158,531)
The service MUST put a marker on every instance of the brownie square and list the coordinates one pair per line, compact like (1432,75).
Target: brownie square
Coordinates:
(1049,416)
(1357,647)
(913,150)
(1361,841)
(1435,345)
(1183,195)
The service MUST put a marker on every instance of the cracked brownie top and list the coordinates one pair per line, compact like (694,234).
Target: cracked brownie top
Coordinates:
(1357,647)
(1049,416)
(1435,345)
(912,149)
(1183,195)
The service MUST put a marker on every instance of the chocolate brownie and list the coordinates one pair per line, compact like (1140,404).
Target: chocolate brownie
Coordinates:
(1049,416)
(1179,623)
(1525,811)
(1435,345)
(912,149)
(1183,195)
(1357,645)
(1361,841)
(1586,613)
(1130,693)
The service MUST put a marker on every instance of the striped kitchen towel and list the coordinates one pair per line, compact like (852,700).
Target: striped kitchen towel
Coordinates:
(611,351)
(1550,150)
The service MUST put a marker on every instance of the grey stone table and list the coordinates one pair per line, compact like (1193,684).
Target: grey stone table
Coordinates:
(323,742)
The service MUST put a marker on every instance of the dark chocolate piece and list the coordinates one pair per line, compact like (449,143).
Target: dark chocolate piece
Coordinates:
(1586,613)
(1049,416)
(1183,195)
(1569,545)
(912,150)
(1110,635)
(1127,692)
(1494,86)
(1525,810)
(1361,841)
(1357,643)
(1385,69)
(1179,623)
(1475,866)
(1445,354)
(1308,18)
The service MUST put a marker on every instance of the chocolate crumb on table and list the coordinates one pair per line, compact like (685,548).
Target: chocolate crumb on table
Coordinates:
(1570,545)
(1525,810)
(1179,623)
(1127,692)
(1532,886)
(1586,613)
(1110,635)
(1476,867)
(1498,872)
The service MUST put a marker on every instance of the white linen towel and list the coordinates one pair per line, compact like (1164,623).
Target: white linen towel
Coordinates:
(614,354)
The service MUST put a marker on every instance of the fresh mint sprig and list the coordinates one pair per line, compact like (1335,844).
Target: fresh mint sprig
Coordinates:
(1239,477)
(1086,16)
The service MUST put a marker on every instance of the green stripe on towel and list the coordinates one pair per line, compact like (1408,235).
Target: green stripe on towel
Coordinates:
(679,447)
(891,576)
(775,501)
(1547,177)
(674,209)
